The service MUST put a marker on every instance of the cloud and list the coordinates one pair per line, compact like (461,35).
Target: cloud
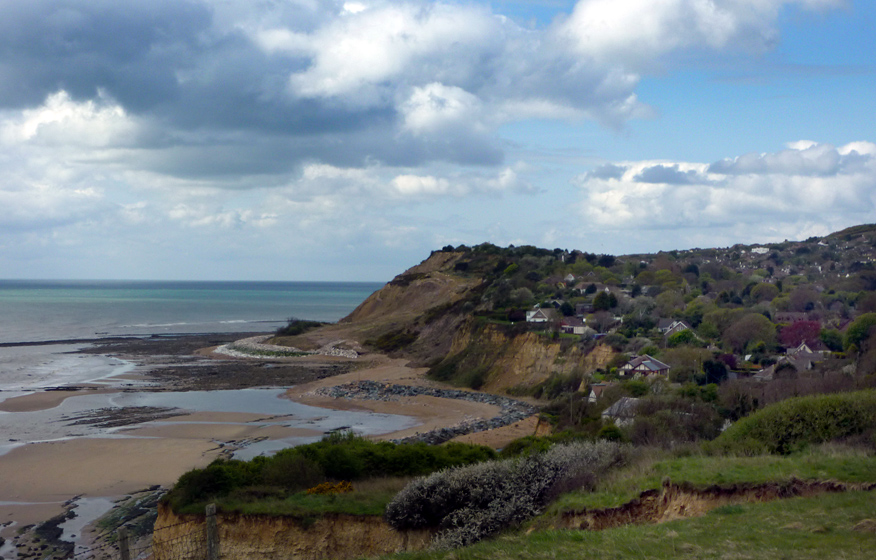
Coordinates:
(234,88)
(753,194)
(636,33)
(669,174)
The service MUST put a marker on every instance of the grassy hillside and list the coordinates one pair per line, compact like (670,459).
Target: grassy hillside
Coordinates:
(832,525)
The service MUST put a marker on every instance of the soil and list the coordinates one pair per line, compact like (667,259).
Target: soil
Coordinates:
(680,501)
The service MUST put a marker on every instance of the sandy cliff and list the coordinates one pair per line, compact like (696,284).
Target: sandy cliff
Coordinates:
(250,537)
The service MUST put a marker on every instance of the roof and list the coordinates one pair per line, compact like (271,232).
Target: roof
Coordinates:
(625,407)
(647,362)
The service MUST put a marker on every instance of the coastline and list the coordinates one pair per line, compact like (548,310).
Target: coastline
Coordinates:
(143,446)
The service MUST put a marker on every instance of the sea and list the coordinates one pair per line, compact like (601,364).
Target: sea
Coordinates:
(47,310)
(43,324)
(62,317)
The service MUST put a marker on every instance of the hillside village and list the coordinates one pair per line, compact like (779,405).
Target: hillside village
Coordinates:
(665,386)
(712,333)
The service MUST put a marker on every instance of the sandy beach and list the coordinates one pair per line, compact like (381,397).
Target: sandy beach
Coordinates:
(153,447)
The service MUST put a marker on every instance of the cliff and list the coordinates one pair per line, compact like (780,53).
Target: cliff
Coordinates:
(260,537)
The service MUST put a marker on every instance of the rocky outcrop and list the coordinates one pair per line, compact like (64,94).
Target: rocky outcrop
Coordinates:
(262,537)
(257,347)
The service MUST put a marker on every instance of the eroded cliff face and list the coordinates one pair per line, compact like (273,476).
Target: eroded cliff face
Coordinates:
(523,359)
(257,537)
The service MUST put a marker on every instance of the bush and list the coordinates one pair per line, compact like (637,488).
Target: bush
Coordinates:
(339,456)
(789,425)
(470,503)
(391,341)
(292,471)
(297,326)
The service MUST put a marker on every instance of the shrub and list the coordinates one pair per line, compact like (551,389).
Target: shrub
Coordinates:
(394,340)
(297,326)
(342,487)
(789,425)
(470,503)
(292,471)
(339,456)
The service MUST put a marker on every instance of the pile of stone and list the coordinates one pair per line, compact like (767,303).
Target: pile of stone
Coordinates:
(254,347)
(511,410)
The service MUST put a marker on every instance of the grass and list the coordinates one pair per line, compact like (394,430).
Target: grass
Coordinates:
(824,462)
(799,529)
(369,497)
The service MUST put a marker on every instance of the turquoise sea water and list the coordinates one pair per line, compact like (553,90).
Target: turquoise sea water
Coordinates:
(43,310)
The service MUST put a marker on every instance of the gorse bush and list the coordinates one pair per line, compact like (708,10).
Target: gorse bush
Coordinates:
(473,502)
(792,424)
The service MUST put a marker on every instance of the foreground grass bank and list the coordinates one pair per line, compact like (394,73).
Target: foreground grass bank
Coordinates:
(830,526)
(648,472)
(826,526)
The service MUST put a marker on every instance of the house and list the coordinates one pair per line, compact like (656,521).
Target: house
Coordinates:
(623,412)
(801,360)
(644,365)
(816,350)
(572,325)
(582,309)
(789,317)
(596,391)
(542,315)
(669,327)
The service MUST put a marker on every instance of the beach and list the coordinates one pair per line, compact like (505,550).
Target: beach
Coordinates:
(158,407)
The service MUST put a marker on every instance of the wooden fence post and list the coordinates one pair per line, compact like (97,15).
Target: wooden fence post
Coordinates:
(212,533)
(124,549)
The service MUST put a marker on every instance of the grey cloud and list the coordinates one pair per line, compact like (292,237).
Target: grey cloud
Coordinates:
(669,174)
(191,74)
(606,171)
(819,161)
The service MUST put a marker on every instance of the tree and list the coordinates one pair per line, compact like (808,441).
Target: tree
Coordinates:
(859,330)
(803,298)
(669,302)
(566,309)
(683,338)
(832,339)
(800,331)
(750,330)
(716,372)
(764,292)
(686,363)
(602,302)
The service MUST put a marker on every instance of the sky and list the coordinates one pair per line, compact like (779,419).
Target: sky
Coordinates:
(345,140)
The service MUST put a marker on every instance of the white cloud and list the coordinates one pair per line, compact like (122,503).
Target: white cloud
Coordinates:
(354,55)
(814,183)
(635,33)
(436,108)
(61,121)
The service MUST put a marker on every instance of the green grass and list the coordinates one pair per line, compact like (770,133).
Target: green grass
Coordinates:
(799,529)
(369,498)
(821,463)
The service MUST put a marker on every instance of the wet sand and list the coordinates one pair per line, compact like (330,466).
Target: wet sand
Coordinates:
(58,471)
(44,400)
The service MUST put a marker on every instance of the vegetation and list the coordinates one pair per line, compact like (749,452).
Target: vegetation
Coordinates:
(829,526)
(747,309)
(338,457)
(392,341)
(297,326)
(794,423)
(470,503)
